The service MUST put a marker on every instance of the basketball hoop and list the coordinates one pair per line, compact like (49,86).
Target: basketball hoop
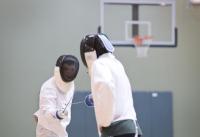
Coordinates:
(142,45)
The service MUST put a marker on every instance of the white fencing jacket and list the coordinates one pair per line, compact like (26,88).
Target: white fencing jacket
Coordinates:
(111,91)
(52,100)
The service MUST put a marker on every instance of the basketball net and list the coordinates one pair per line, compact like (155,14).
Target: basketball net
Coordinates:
(142,45)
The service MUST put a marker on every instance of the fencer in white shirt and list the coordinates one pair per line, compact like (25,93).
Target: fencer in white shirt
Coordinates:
(56,94)
(110,87)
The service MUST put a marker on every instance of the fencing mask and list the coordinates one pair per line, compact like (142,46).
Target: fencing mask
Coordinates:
(94,43)
(65,72)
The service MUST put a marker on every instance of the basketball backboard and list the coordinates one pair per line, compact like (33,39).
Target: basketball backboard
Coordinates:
(121,20)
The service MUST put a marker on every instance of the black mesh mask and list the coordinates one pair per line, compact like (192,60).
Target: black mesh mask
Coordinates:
(90,43)
(69,67)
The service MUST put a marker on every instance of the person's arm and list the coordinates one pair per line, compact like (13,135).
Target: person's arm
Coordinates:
(48,103)
(102,90)
(66,111)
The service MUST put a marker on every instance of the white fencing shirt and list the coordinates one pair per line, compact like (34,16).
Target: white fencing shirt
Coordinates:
(111,91)
(52,100)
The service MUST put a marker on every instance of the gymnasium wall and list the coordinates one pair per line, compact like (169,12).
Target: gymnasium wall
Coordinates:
(33,33)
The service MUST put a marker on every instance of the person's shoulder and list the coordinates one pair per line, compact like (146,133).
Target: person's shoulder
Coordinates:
(48,84)
(101,60)
(98,63)
(107,60)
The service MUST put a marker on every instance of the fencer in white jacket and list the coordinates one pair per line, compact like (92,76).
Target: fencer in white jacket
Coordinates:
(56,94)
(110,87)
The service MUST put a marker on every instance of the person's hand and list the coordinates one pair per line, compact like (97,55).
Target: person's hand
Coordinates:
(89,100)
(60,114)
